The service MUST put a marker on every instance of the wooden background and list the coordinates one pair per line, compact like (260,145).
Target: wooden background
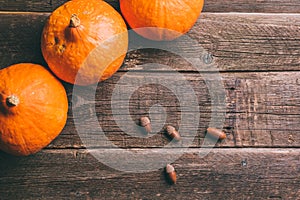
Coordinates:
(256,47)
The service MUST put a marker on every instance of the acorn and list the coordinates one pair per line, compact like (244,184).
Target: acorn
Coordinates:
(171,174)
(216,133)
(145,122)
(171,131)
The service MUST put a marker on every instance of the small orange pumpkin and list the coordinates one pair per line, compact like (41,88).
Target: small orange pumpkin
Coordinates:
(161,19)
(84,41)
(33,108)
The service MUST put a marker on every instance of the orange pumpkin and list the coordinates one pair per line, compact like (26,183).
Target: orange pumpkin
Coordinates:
(33,108)
(161,19)
(84,41)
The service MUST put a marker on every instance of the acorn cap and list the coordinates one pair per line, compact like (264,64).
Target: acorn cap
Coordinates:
(173,133)
(170,129)
(169,168)
(145,121)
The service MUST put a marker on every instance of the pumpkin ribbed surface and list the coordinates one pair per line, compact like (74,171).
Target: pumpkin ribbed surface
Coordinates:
(161,19)
(84,42)
(33,108)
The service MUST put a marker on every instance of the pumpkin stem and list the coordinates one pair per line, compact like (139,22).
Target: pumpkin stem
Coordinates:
(74,21)
(12,101)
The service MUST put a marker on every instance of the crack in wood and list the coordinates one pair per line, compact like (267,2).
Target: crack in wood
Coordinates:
(272,138)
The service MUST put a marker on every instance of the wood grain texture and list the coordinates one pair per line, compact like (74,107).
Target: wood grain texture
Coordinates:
(39,6)
(258,56)
(235,42)
(261,6)
(222,174)
(261,109)
(24,31)
(258,6)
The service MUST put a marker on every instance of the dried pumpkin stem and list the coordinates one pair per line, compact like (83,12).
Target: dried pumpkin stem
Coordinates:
(74,21)
(12,101)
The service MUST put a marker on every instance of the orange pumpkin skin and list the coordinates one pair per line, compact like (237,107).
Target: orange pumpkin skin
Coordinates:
(84,42)
(33,108)
(161,19)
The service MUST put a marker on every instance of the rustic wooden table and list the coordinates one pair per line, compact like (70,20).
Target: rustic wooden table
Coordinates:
(256,47)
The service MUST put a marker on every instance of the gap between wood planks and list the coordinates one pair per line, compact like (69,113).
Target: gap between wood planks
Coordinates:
(215,13)
(192,151)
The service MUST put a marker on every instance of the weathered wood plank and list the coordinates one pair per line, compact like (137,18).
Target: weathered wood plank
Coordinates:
(273,106)
(261,6)
(39,6)
(20,38)
(252,42)
(262,109)
(236,42)
(222,174)
(264,6)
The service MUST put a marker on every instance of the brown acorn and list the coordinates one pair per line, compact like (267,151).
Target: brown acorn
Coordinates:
(216,133)
(171,131)
(145,122)
(171,174)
